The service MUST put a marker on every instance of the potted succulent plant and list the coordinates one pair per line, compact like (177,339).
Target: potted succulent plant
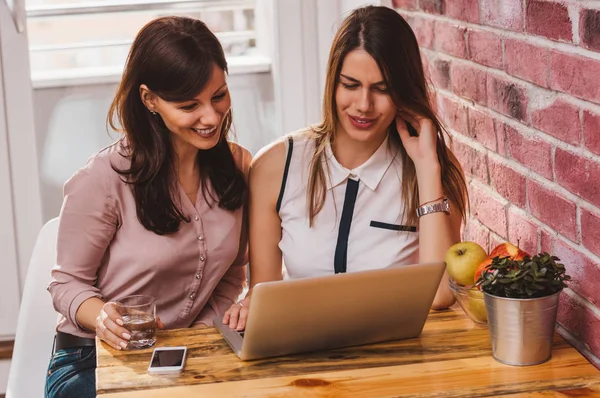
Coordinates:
(521,299)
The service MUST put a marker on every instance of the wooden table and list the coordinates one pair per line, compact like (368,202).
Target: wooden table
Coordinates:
(451,358)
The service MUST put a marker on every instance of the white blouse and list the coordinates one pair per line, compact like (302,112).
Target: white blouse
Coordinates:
(361,225)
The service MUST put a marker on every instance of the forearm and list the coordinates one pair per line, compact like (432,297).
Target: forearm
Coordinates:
(88,311)
(436,232)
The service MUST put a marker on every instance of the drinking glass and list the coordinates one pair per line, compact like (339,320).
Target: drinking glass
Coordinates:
(139,317)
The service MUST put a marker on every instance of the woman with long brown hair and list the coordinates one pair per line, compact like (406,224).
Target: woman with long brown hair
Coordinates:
(373,185)
(161,212)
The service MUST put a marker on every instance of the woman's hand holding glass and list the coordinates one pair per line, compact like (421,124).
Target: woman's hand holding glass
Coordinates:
(109,327)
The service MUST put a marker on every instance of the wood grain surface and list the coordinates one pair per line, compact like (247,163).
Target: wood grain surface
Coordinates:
(451,358)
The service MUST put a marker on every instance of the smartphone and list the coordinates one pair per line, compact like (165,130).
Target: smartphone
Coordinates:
(167,360)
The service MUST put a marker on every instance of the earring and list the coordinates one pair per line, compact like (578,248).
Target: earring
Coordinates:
(154,113)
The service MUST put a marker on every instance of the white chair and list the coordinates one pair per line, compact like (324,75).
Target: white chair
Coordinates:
(37,321)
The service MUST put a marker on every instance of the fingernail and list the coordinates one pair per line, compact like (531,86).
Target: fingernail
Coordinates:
(120,321)
(126,336)
(123,344)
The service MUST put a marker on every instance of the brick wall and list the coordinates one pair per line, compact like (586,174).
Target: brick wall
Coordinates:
(517,84)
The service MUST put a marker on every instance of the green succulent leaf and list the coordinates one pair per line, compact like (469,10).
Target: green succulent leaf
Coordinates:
(537,276)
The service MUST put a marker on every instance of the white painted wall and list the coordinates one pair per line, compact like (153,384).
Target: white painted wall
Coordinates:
(20,208)
(4,367)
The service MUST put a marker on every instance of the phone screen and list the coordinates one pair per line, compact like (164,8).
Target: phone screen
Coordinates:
(163,358)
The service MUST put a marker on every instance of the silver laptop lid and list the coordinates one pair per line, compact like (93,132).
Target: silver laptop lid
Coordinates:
(340,310)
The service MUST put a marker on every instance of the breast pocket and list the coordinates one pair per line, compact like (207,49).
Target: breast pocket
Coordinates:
(393,227)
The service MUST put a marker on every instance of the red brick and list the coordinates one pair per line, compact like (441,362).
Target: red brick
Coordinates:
(574,75)
(423,29)
(488,210)
(405,4)
(473,162)
(426,65)
(495,240)
(545,242)
(507,97)
(549,19)
(580,322)
(481,128)
(433,6)
(591,131)
(453,114)
(522,232)
(501,137)
(534,153)
(469,82)
(589,29)
(553,210)
(508,183)
(590,231)
(440,73)
(560,120)
(465,10)
(585,274)
(535,70)
(579,175)
(450,38)
(475,232)
(485,48)
(506,14)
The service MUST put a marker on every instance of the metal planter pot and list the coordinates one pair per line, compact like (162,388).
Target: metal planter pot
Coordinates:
(521,330)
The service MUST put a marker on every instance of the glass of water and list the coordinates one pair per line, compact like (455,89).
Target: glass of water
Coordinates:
(139,317)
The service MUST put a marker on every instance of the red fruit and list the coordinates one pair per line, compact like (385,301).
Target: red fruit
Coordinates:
(484,264)
(507,249)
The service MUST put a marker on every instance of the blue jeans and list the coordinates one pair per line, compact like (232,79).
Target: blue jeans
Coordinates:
(72,373)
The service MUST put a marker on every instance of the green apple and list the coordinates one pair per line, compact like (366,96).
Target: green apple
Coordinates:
(476,306)
(462,260)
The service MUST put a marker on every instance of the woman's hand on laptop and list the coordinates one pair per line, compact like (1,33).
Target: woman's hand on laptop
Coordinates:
(237,314)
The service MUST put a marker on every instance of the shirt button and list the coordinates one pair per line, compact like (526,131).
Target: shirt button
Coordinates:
(200,238)
(196,218)
(199,275)
(192,296)
(202,257)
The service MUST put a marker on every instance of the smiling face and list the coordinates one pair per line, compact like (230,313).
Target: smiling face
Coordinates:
(195,123)
(364,107)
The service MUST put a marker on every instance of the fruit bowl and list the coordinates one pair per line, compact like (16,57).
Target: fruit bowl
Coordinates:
(471,301)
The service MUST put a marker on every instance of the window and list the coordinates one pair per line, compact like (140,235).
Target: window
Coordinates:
(85,38)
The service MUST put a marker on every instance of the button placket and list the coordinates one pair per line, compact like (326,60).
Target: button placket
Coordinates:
(199,230)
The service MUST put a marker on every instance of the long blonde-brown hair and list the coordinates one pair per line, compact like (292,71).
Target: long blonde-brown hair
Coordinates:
(388,38)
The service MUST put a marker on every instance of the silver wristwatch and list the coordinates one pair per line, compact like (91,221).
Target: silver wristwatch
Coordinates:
(434,208)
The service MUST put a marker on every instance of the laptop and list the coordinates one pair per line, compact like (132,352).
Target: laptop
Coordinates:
(335,311)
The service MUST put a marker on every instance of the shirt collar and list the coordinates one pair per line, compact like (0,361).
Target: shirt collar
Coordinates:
(371,172)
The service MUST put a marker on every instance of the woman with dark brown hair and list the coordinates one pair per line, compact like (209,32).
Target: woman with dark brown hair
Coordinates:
(161,212)
(373,185)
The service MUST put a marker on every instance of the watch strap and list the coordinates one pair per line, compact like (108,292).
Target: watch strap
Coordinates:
(443,206)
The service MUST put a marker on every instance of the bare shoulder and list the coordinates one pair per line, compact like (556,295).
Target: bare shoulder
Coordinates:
(269,162)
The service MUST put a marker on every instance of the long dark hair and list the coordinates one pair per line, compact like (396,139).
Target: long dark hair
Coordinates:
(173,57)
(388,38)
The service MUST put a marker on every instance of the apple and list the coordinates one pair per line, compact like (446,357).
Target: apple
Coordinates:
(507,249)
(476,306)
(484,264)
(462,260)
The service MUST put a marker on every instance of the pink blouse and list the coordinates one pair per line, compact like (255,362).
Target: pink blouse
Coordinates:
(105,252)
